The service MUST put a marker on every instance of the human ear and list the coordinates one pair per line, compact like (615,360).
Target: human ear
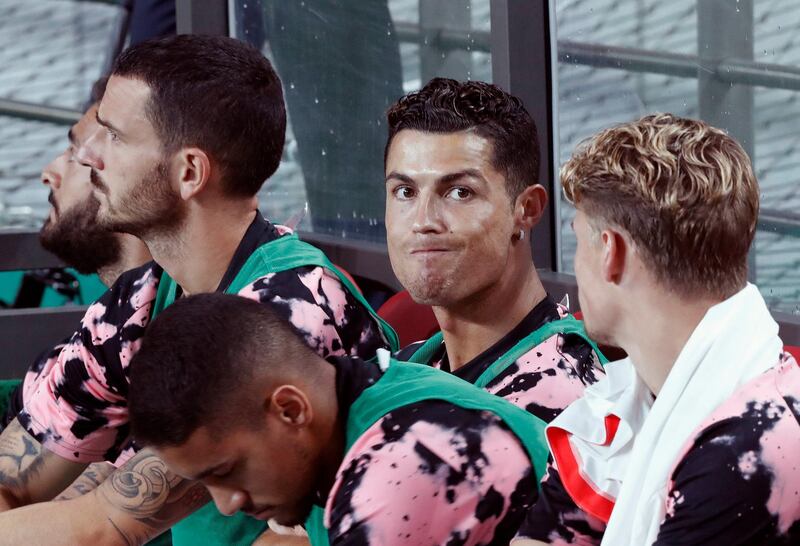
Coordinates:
(529,207)
(615,255)
(291,406)
(194,171)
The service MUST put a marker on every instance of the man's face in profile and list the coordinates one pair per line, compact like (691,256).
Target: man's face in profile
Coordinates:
(258,470)
(70,230)
(449,217)
(130,170)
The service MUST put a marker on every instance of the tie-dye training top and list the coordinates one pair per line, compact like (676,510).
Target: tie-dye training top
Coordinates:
(428,473)
(736,482)
(543,381)
(77,406)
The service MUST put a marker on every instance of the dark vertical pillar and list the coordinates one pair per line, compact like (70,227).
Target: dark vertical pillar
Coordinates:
(522,65)
(725,31)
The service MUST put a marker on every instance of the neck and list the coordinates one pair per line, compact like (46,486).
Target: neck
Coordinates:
(198,253)
(473,326)
(132,253)
(329,432)
(656,329)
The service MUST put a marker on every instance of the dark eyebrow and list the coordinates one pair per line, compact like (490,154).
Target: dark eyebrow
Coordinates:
(399,176)
(106,124)
(470,173)
(446,179)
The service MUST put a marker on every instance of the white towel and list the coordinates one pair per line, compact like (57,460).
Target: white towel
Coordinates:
(735,341)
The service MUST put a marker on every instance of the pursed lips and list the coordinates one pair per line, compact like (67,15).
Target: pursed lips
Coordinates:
(428,250)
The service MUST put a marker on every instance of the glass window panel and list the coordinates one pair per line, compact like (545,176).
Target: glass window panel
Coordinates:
(619,60)
(51,52)
(342,64)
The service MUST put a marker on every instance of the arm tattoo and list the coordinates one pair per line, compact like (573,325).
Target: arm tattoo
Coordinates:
(91,478)
(147,498)
(21,459)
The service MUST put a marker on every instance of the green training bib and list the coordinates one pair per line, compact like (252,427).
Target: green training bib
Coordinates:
(406,383)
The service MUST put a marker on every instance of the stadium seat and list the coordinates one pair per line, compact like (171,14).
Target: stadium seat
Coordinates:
(412,321)
(794,351)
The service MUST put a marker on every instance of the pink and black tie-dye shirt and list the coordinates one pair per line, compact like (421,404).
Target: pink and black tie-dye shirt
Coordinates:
(737,481)
(543,381)
(76,406)
(427,473)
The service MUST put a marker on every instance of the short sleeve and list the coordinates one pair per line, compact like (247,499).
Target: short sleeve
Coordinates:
(431,475)
(77,408)
(322,311)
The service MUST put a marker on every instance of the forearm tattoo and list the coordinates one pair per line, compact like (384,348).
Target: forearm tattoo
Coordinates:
(144,492)
(21,459)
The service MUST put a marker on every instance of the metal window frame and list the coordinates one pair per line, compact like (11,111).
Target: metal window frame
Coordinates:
(520,39)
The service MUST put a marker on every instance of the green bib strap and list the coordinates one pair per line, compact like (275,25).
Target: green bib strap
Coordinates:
(406,383)
(207,526)
(566,325)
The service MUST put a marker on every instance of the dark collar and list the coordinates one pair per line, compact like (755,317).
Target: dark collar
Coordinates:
(545,311)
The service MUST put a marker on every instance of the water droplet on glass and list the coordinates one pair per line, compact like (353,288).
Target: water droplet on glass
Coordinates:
(324,153)
(316,100)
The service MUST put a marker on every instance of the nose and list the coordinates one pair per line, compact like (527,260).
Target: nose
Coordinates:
(427,217)
(87,153)
(50,177)
(228,501)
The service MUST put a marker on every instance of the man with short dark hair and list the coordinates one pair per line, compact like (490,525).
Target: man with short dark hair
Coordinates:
(462,165)
(694,438)
(190,127)
(396,453)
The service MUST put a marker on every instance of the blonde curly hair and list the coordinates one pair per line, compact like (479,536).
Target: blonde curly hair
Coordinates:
(684,191)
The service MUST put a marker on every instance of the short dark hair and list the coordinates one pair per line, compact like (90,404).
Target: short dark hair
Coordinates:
(199,360)
(218,94)
(449,106)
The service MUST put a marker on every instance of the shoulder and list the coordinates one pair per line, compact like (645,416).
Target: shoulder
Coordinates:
(550,376)
(321,309)
(448,468)
(739,473)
